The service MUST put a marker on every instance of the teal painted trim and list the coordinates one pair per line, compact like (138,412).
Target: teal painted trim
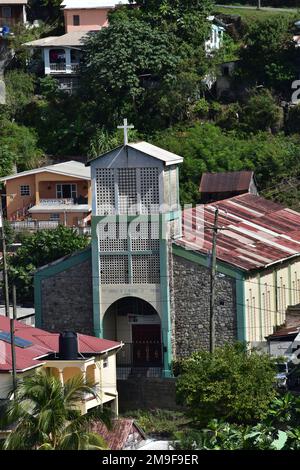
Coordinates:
(97,322)
(52,270)
(165,299)
(64,264)
(203,259)
(241,310)
(173,215)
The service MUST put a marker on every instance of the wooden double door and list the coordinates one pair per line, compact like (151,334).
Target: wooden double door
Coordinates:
(147,345)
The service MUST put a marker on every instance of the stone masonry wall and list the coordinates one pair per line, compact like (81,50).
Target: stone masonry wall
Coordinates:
(67,300)
(190,294)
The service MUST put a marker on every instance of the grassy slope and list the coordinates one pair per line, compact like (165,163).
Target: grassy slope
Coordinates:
(252,15)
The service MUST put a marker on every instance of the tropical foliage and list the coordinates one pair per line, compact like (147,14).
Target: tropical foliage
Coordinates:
(44,416)
(38,250)
(229,383)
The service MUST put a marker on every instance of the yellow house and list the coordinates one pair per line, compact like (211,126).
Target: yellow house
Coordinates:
(48,196)
(65,355)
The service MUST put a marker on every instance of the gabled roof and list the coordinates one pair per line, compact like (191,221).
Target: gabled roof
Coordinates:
(78,4)
(71,39)
(43,344)
(166,157)
(71,168)
(229,181)
(256,232)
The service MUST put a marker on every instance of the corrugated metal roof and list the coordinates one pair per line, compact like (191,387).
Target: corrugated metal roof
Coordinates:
(229,181)
(44,343)
(70,168)
(284,331)
(117,437)
(168,158)
(74,4)
(72,39)
(256,232)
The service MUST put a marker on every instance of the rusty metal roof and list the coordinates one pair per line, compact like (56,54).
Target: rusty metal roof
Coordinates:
(255,232)
(117,437)
(230,181)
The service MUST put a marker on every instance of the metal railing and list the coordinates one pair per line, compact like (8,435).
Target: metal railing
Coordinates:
(56,202)
(34,225)
(63,67)
(140,359)
(125,373)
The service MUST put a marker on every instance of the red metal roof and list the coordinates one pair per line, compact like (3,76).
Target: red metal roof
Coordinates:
(284,331)
(256,232)
(44,343)
(229,181)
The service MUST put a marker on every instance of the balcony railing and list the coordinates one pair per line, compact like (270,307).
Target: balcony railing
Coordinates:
(56,202)
(59,67)
(34,225)
(37,225)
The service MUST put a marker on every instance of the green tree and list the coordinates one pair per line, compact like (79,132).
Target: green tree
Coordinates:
(124,65)
(19,91)
(45,417)
(270,56)
(231,384)
(261,113)
(206,147)
(19,144)
(38,250)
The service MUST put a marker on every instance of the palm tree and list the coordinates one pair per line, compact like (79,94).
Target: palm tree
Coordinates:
(45,417)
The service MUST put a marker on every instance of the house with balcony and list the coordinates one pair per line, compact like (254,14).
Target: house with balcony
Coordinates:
(48,196)
(62,54)
(12,12)
(65,355)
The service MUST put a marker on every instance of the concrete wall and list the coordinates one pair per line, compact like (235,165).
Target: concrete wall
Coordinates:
(143,393)
(66,300)
(14,200)
(90,19)
(190,294)
(39,185)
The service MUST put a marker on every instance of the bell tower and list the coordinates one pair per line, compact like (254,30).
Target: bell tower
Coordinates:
(136,212)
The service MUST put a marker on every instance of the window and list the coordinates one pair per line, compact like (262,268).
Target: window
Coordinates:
(6,12)
(25,190)
(76,20)
(66,191)
(54,217)
(105,362)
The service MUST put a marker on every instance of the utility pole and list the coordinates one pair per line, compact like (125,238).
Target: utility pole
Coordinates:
(12,339)
(5,270)
(258,4)
(212,329)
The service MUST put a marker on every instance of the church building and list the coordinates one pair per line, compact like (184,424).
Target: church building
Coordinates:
(145,279)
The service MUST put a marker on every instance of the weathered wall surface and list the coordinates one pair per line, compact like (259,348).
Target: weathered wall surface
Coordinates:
(145,393)
(67,301)
(190,294)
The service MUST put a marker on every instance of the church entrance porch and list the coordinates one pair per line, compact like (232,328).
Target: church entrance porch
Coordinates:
(136,323)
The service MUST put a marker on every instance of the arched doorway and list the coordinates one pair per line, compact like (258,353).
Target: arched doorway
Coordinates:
(136,323)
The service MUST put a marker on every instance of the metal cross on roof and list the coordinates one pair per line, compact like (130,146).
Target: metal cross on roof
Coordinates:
(126,127)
